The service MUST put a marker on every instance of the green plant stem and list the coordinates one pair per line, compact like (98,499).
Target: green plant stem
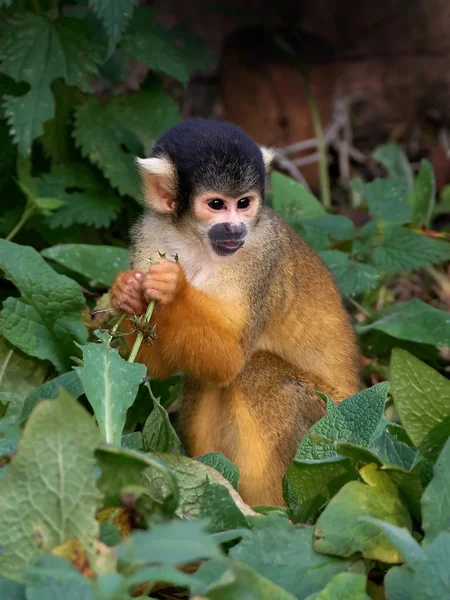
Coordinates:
(359,307)
(140,336)
(441,279)
(27,213)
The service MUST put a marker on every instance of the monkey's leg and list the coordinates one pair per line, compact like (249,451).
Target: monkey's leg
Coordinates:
(257,422)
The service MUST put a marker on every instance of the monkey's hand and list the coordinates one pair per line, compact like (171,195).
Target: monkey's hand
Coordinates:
(127,293)
(163,281)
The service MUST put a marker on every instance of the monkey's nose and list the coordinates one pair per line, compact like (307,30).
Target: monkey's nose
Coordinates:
(227,227)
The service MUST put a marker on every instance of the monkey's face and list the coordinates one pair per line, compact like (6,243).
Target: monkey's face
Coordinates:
(225,220)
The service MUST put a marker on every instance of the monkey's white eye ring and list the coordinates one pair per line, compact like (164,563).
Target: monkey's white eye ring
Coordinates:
(216,204)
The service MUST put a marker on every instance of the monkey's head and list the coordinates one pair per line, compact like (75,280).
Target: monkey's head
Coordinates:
(209,176)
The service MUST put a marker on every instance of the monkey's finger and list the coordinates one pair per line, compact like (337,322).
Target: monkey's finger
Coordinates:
(132,307)
(166,266)
(161,278)
(160,295)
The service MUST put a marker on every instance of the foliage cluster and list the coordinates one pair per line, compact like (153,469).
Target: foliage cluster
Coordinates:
(97,500)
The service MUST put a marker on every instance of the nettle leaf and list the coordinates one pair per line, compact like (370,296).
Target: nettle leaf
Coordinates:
(88,198)
(403,250)
(158,434)
(98,263)
(110,384)
(394,159)
(388,200)
(352,277)
(115,16)
(436,498)
(414,321)
(339,530)
(46,321)
(283,553)
(223,465)
(50,391)
(293,201)
(337,226)
(149,42)
(112,134)
(422,399)
(354,420)
(344,586)
(48,493)
(424,193)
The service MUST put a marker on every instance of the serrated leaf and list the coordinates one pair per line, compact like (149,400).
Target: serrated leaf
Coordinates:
(388,200)
(88,199)
(172,543)
(344,586)
(158,434)
(46,321)
(44,505)
(223,465)
(337,226)
(339,530)
(99,263)
(110,384)
(50,391)
(112,135)
(352,277)
(414,321)
(436,497)
(293,201)
(422,399)
(403,250)
(354,420)
(115,16)
(283,553)
(423,194)
(395,160)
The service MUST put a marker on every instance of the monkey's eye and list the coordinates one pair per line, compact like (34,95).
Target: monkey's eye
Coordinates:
(243,203)
(216,204)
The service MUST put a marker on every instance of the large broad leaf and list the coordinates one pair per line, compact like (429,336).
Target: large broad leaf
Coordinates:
(50,391)
(223,465)
(396,162)
(57,140)
(19,374)
(221,511)
(99,263)
(436,498)
(110,384)
(168,51)
(354,420)
(88,198)
(54,578)
(115,16)
(422,400)
(46,320)
(413,321)
(283,553)
(111,135)
(293,201)
(158,434)
(344,586)
(340,531)
(352,277)
(48,493)
(403,250)
(423,195)
(387,199)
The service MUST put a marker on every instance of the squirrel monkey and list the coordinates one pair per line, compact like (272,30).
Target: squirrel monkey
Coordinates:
(249,313)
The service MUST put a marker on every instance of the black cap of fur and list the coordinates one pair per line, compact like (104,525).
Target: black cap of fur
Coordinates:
(211,155)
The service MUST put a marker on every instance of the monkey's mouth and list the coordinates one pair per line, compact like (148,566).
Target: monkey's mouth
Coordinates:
(227,246)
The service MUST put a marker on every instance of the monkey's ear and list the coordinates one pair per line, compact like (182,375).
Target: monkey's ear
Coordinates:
(159,180)
(268,156)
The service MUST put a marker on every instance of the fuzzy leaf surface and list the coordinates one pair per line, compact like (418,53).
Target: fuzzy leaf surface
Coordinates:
(158,434)
(388,200)
(50,391)
(48,493)
(293,201)
(19,374)
(352,277)
(436,497)
(46,321)
(344,586)
(225,466)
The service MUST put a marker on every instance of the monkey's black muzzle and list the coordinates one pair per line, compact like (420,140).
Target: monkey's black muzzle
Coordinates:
(227,238)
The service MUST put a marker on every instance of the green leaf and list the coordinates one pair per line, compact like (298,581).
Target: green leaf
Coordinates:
(423,195)
(11,590)
(99,263)
(337,226)
(158,434)
(422,399)
(293,201)
(354,420)
(88,198)
(46,320)
(340,531)
(392,450)
(19,374)
(53,578)
(172,543)
(149,42)
(27,114)
(436,498)
(344,586)
(48,493)
(431,575)
(403,250)
(413,321)
(352,277)
(388,200)
(110,384)
(50,391)
(399,583)
(115,16)
(395,160)
(221,463)
(220,509)
(283,553)
(112,134)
